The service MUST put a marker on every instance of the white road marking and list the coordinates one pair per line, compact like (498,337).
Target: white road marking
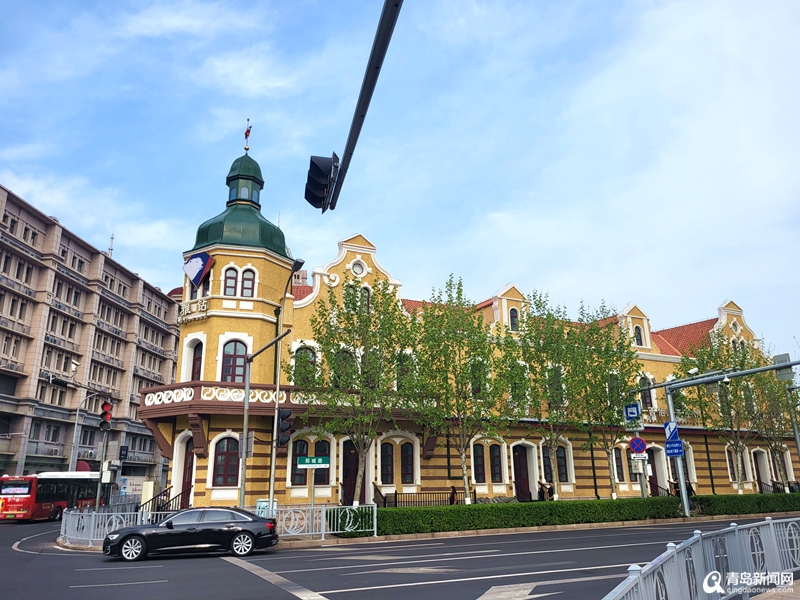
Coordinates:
(122,568)
(94,585)
(481,556)
(281,582)
(415,571)
(485,577)
(16,544)
(519,591)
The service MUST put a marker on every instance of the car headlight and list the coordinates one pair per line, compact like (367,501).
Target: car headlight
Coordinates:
(113,536)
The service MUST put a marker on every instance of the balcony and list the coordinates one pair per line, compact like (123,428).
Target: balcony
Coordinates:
(62,343)
(111,329)
(154,319)
(103,389)
(118,299)
(21,246)
(16,286)
(15,326)
(103,357)
(148,374)
(46,449)
(141,457)
(156,349)
(72,275)
(8,445)
(66,308)
(11,365)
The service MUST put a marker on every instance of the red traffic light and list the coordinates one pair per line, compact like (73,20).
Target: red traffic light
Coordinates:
(105,416)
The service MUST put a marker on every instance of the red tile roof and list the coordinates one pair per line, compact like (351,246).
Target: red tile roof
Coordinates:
(412,306)
(176,292)
(684,337)
(484,304)
(301,291)
(664,347)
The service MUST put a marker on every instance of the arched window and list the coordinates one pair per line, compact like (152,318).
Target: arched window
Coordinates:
(495,464)
(478,463)
(248,283)
(732,464)
(234,355)
(344,370)
(618,464)
(387,463)
(629,456)
(407,463)
(561,464)
(299,448)
(244,192)
(255,195)
(734,346)
(226,462)
(366,297)
(232,195)
(513,317)
(322,476)
(637,336)
(647,395)
(231,281)
(404,372)
(305,364)
(197,362)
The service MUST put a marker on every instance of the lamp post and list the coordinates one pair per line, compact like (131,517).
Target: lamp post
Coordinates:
(296,266)
(73,453)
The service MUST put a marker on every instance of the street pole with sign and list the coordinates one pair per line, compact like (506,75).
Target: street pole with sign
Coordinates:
(312,463)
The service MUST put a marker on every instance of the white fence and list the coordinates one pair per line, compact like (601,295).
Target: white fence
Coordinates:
(718,565)
(88,528)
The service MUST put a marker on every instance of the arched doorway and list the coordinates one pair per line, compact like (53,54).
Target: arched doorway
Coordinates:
(349,474)
(188,470)
(761,463)
(657,473)
(522,486)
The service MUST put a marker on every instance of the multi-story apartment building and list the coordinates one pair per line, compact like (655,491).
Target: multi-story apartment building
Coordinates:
(69,311)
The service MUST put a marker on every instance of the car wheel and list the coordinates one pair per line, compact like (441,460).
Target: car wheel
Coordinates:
(242,544)
(133,548)
(56,516)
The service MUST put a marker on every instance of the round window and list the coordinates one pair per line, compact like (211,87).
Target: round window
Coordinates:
(358,269)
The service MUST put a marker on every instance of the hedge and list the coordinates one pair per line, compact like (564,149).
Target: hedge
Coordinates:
(735,504)
(461,517)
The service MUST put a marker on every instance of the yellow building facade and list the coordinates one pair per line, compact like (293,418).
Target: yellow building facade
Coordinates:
(234,311)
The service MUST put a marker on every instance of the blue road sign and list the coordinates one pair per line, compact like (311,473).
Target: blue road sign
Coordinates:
(671,431)
(674,448)
(638,445)
(632,412)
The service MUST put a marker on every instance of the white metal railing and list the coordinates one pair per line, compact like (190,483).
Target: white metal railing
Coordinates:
(88,528)
(323,520)
(763,552)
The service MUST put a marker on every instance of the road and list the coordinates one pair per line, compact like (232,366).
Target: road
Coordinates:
(582,564)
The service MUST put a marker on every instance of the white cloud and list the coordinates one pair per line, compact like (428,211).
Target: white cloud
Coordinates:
(25,151)
(190,18)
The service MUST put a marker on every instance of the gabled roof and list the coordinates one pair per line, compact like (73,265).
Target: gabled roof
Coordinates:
(301,291)
(412,306)
(664,347)
(484,304)
(684,337)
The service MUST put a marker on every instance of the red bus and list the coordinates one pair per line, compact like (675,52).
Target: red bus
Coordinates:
(46,495)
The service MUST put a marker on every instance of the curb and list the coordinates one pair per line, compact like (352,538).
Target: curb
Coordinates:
(335,541)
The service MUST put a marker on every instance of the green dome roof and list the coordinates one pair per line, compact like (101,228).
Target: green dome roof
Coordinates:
(245,167)
(242,224)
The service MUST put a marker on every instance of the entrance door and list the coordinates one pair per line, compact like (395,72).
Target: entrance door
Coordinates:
(653,479)
(188,469)
(521,483)
(349,474)
(760,460)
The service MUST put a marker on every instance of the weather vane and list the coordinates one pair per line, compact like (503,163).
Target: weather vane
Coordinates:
(247,136)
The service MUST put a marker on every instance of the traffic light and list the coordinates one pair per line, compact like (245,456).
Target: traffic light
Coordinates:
(321,179)
(56,380)
(285,419)
(105,416)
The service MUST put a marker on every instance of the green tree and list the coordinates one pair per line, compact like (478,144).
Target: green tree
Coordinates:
(454,394)
(605,369)
(352,384)
(771,418)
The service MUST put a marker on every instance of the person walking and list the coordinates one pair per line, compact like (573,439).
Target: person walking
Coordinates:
(453,495)
(542,492)
(551,491)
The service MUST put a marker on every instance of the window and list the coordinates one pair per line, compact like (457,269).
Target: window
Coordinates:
(561,464)
(407,463)
(629,456)
(244,192)
(197,362)
(255,195)
(637,336)
(387,463)
(478,377)
(344,369)
(231,280)
(304,366)
(513,318)
(647,395)
(732,464)
(187,518)
(248,283)
(226,462)
(618,464)
(674,466)
(299,448)
(495,463)
(479,463)
(232,195)
(322,476)
(366,298)
(87,437)
(35,428)
(234,355)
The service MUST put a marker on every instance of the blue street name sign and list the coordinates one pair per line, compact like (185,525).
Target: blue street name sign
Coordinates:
(674,448)
(673,445)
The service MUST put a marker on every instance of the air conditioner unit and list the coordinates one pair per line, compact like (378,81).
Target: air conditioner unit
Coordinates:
(55,452)
(87,454)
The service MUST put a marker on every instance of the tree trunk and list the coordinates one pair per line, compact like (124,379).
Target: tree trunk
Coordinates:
(551,451)
(463,454)
(778,456)
(611,479)
(739,472)
(362,463)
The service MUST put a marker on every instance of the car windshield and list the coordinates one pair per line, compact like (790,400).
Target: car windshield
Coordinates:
(15,488)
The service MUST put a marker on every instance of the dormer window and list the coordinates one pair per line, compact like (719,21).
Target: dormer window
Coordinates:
(637,336)
(244,192)
(255,195)
(232,195)
(513,318)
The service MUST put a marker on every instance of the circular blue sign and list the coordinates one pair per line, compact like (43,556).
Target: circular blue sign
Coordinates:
(638,445)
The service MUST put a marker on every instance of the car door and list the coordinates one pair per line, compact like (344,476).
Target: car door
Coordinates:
(179,532)
(217,527)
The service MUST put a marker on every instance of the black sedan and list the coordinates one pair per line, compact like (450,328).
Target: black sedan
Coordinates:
(205,529)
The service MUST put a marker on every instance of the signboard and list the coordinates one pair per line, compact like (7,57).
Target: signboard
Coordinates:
(123,453)
(313,462)
(637,446)
(673,445)
(632,412)
(130,485)
(642,456)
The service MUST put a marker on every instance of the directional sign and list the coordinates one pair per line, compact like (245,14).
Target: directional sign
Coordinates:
(671,431)
(632,412)
(642,456)
(313,462)
(638,446)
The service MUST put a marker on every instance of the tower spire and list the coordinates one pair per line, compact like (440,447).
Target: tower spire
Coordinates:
(247,136)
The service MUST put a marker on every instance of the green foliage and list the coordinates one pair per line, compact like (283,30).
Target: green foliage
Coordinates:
(461,517)
(745,504)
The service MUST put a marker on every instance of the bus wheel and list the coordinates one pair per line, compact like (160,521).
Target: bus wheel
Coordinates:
(133,548)
(56,516)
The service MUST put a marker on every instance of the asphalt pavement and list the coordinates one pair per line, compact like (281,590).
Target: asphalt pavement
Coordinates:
(571,563)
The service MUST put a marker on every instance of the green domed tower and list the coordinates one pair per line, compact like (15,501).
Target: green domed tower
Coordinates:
(242,224)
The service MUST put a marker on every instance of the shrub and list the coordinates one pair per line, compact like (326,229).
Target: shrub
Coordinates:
(735,504)
(461,517)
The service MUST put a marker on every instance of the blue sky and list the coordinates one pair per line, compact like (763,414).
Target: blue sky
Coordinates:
(627,152)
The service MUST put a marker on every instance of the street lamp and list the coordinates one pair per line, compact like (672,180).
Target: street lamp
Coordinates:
(73,453)
(296,266)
